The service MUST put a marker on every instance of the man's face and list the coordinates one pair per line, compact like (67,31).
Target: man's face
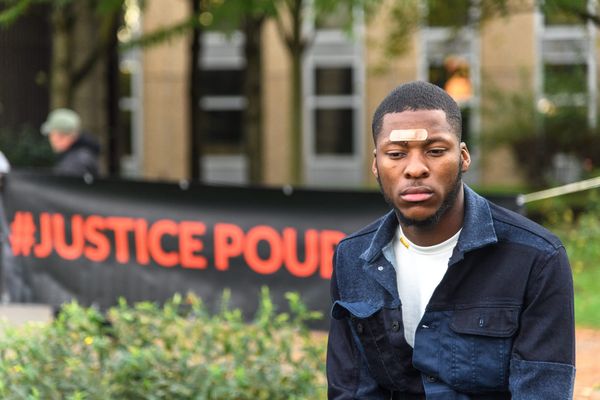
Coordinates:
(420,178)
(60,141)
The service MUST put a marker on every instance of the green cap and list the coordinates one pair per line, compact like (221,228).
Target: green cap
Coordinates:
(62,120)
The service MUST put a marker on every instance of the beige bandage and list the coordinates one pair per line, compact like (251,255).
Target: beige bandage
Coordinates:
(408,135)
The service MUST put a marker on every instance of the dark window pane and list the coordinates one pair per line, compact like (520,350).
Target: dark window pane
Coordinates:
(125,82)
(438,75)
(334,131)
(224,132)
(453,77)
(447,13)
(333,81)
(565,78)
(125,132)
(223,82)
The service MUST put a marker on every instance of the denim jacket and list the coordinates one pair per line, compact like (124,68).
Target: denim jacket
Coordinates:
(500,324)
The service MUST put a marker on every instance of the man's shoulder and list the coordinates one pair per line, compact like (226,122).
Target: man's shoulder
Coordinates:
(516,228)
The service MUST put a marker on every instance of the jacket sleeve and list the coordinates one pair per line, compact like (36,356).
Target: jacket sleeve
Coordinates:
(543,357)
(347,372)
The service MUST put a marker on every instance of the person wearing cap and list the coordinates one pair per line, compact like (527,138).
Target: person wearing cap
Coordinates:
(77,153)
(448,296)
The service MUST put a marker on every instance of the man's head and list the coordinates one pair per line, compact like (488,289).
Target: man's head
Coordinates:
(62,128)
(419,159)
(418,95)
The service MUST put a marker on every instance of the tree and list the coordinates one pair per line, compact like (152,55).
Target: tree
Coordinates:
(249,16)
(67,74)
(83,47)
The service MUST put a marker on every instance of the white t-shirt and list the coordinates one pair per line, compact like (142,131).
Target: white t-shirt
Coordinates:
(419,270)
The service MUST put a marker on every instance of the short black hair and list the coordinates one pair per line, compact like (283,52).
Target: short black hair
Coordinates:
(414,96)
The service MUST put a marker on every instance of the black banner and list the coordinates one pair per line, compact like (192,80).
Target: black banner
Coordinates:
(146,241)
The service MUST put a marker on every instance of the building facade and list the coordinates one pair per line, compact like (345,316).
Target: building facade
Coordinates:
(529,53)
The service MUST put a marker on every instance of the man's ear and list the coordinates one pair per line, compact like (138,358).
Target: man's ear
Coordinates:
(374,166)
(465,157)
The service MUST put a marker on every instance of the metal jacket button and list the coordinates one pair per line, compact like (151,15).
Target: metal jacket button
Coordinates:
(359,327)
(395,326)
(431,379)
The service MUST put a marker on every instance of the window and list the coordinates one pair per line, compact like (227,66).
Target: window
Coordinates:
(222,105)
(333,76)
(333,81)
(333,131)
(450,57)
(567,63)
(130,83)
(333,124)
(130,113)
(566,92)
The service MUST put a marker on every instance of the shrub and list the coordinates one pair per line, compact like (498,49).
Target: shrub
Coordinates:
(581,237)
(174,351)
(26,148)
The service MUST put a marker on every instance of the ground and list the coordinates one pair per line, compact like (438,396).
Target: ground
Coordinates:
(587,380)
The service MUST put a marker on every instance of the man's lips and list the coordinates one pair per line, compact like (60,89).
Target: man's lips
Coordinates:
(416,194)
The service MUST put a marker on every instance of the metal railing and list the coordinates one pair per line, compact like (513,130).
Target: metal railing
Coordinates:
(559,190)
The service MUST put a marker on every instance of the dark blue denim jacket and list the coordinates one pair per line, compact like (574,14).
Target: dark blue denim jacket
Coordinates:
(500,324)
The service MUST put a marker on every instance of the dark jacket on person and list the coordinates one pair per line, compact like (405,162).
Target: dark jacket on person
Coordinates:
(80,159)
(500,324)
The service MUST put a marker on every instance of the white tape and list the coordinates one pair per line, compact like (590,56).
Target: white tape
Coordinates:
(408,135)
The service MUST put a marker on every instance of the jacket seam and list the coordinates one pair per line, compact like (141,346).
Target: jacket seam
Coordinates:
(553,244)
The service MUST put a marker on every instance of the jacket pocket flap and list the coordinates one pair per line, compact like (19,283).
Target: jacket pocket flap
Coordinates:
(486,321)
(343,309)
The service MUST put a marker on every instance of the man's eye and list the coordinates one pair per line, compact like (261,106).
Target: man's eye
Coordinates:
(437,152)
(395,154)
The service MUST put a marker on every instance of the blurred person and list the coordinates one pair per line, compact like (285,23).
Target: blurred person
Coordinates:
(77,153)
(14,280)
(448,296)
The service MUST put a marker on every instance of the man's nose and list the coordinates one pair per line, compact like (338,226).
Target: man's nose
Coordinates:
(416,167)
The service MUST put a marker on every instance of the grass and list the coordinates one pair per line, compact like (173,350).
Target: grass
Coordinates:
(581,237)
(587,297)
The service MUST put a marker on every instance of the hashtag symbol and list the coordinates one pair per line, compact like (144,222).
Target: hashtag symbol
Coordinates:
(22,233)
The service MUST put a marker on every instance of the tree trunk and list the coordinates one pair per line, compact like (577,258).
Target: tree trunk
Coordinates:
(114,140)
(253,112)
(61,94)
(296,48)
(296,121)
(195,166)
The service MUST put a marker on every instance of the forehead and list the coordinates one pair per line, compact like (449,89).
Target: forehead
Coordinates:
(432,120)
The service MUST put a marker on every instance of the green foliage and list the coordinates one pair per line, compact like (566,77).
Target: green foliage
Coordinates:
(581,237)
(26,148)
(535,134)
(177,351)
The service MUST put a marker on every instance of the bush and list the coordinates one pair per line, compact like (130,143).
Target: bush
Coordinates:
(581,237)
(177,351)
(26,148)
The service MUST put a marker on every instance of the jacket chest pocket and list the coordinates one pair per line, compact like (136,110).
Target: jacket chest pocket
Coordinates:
(381,335)
(478,348)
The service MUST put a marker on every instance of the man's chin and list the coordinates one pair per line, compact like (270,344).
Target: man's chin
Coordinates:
(420,221)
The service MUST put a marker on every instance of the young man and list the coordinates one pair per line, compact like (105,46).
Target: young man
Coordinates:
(77,153)
(448,296)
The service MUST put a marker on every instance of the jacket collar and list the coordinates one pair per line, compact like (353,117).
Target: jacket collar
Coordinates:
(478,229)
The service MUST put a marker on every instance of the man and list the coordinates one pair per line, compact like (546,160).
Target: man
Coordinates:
(448,296)
(77,153)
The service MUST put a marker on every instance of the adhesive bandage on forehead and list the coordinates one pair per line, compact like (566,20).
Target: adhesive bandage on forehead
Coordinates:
(408,135)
